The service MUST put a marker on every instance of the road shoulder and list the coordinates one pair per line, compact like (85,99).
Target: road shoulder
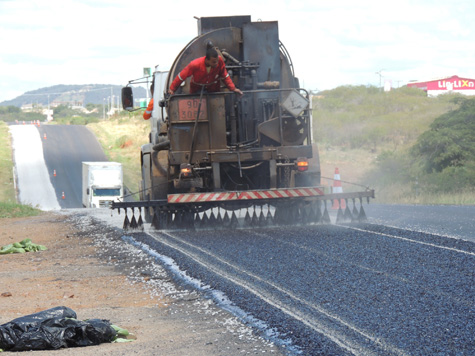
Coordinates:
(88,268)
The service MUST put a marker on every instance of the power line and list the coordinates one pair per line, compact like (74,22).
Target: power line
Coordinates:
(380,73)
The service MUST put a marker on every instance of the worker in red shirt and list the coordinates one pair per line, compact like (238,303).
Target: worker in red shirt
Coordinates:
(207,71)
(148,112)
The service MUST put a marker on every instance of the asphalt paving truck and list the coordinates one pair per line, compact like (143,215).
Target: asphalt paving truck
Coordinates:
(221,160)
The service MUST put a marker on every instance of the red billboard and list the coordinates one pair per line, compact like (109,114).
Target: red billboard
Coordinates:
(452,83)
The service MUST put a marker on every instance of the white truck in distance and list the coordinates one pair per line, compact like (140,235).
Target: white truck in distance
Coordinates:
(102,183)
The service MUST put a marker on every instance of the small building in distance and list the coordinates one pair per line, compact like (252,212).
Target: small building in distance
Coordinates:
(453,84)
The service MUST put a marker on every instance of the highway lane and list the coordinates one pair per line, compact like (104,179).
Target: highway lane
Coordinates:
(448,220)
(363,289)
(366,290)
(40,151)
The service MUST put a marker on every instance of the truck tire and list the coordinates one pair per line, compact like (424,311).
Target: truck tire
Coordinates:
(159,175)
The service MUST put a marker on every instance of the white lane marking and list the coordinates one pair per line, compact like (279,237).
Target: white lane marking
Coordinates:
(410,240)
(337,337)
(372,270)
(453,235)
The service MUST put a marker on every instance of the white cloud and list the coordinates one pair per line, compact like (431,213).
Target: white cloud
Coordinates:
(331,43)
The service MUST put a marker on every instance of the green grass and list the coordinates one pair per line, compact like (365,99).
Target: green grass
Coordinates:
(121,137)
(368,134)
(15,210)
(413,194)
(7,191)
(361,117)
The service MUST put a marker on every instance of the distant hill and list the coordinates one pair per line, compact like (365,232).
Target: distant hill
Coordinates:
(72,94)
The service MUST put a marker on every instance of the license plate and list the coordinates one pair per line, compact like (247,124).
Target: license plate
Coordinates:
(188,109)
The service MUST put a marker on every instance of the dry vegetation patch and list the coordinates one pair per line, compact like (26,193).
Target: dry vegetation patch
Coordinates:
(121,138)
(7,191)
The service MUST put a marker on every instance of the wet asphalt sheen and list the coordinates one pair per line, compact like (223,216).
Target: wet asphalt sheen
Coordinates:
(359,289)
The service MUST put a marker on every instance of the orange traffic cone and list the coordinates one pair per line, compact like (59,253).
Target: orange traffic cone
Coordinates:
(62,196)
(44,136)
(337,188)
(54,172)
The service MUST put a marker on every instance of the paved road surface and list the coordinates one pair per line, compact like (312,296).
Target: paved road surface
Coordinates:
(367,289)
(338,290)
(447,220)
(64,149)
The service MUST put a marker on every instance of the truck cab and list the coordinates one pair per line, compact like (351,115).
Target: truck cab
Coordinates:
(102,184)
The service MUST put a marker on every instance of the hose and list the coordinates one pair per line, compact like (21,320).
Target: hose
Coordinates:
(195,128)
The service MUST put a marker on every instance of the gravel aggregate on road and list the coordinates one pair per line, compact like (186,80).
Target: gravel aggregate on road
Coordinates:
(339,290)
(195,316)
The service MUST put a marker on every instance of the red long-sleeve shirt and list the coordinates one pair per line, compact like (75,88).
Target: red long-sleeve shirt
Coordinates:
(197,69)
(148,112)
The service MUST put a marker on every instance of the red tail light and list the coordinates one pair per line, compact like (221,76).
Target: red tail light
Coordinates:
(302,165)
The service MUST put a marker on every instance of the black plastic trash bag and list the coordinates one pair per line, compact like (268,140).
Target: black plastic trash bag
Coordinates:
(53,329)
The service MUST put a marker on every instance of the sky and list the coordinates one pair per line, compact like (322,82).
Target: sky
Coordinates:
(331,43)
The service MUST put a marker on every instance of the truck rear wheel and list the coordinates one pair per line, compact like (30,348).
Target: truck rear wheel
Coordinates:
(159,175)
(154,179)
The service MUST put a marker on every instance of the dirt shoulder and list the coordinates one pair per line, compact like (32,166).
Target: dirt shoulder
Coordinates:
(89,269)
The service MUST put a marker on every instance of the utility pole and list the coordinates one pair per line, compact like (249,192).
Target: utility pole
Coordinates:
(380,73)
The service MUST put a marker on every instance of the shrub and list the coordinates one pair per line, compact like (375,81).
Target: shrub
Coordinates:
(123,141)
(450,141)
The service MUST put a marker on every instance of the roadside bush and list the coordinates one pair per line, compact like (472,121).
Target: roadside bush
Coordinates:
(450,142)
(366,117)
(123,141)
(451,179)
(391,167)
(76,120)
(21,116)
